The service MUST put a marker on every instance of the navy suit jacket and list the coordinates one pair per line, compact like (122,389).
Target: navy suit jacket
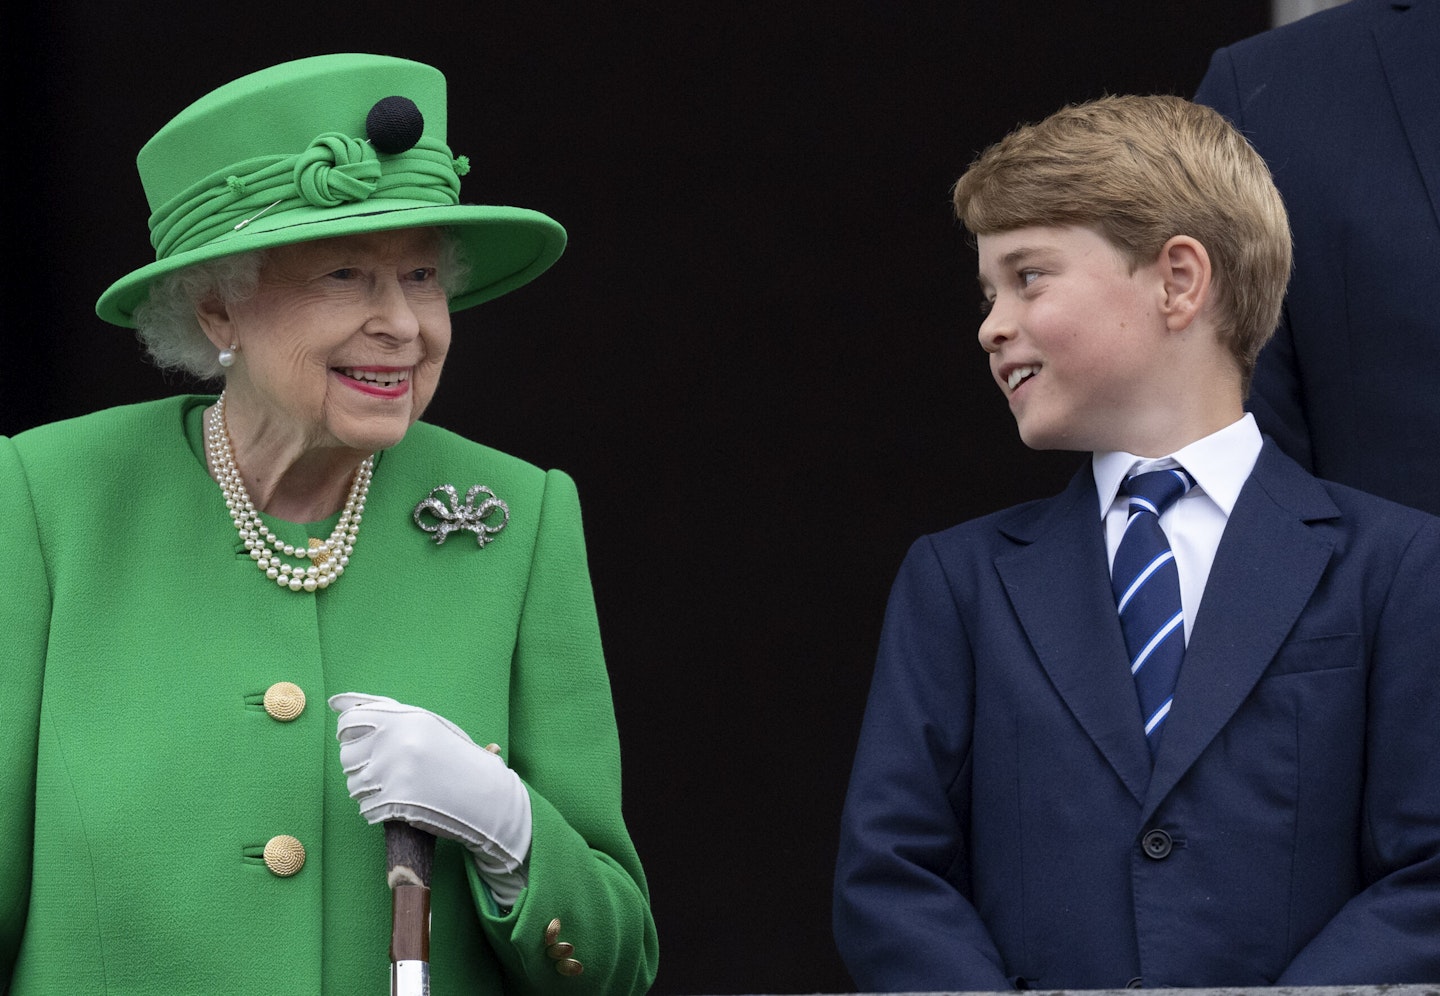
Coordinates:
(1004,827)
(1345,107)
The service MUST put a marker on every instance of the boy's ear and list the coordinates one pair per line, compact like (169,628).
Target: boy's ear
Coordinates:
(1185,272)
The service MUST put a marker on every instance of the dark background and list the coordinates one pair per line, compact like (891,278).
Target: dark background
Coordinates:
(757,356)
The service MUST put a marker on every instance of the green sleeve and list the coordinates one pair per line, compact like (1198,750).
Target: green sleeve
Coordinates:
(583,868)
(24,625)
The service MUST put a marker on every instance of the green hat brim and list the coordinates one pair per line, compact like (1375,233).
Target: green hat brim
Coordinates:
(504,247)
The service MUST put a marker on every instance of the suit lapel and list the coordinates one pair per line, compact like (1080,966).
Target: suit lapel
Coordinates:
(1058,583)
(1265,572)
(1409,47)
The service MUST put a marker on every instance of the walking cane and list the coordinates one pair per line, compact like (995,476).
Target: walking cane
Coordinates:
(408,854)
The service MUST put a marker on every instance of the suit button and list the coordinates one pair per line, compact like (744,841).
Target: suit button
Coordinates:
(284,701)
(284,855)
(1135,983)
(1156,844)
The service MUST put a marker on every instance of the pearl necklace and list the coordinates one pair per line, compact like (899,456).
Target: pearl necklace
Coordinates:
(328,558)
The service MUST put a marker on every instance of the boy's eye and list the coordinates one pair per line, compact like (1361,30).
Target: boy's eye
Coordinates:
(1028,277)
(986,306)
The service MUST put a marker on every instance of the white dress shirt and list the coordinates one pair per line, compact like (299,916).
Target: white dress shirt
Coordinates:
(1220,463)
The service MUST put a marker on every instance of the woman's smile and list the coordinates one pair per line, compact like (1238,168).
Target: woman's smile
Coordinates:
(380,382)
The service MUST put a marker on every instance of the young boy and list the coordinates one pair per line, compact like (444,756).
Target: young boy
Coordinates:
(1104,751)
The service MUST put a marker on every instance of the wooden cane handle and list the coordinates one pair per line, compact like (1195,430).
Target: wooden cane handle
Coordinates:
(409,853)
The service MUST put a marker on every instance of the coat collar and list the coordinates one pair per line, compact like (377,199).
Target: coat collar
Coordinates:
(1266,568)
(1406,42)
(1057,580)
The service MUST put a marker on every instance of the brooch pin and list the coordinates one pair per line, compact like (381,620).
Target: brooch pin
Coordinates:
(456,517)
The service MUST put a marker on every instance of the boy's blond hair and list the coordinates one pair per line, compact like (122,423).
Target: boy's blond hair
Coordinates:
(1141,170)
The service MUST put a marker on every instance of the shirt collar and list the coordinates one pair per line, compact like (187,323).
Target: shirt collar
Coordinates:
(1220,463)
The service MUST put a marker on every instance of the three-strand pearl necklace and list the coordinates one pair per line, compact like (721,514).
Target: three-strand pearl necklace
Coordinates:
(327,558)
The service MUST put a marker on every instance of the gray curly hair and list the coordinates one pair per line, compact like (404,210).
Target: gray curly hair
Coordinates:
(170,331)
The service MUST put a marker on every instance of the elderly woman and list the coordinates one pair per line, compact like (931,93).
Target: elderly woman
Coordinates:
(191,580)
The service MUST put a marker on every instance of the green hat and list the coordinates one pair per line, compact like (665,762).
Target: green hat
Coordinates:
(327,146)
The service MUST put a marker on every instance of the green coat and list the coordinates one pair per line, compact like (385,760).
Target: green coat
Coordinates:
(142,776)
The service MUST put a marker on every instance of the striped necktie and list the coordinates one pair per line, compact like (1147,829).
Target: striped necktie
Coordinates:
(1147,595)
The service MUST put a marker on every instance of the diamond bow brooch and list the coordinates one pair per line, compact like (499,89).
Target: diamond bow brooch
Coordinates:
(436,516)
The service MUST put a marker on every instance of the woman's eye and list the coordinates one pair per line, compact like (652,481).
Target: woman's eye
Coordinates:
(344,273)
(423,274)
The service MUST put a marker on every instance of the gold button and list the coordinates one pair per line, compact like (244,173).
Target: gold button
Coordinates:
(569,966)
(552,932)
(560,949)
(284,855)
(284,700)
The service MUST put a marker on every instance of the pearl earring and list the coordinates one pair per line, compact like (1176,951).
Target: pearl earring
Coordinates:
(226,357)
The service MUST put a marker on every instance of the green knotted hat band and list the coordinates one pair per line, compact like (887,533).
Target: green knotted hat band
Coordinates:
(322,147)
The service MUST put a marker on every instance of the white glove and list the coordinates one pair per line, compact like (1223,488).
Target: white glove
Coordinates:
(406,763)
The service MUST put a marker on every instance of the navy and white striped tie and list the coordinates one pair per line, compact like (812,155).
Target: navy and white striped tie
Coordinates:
(1147,594)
